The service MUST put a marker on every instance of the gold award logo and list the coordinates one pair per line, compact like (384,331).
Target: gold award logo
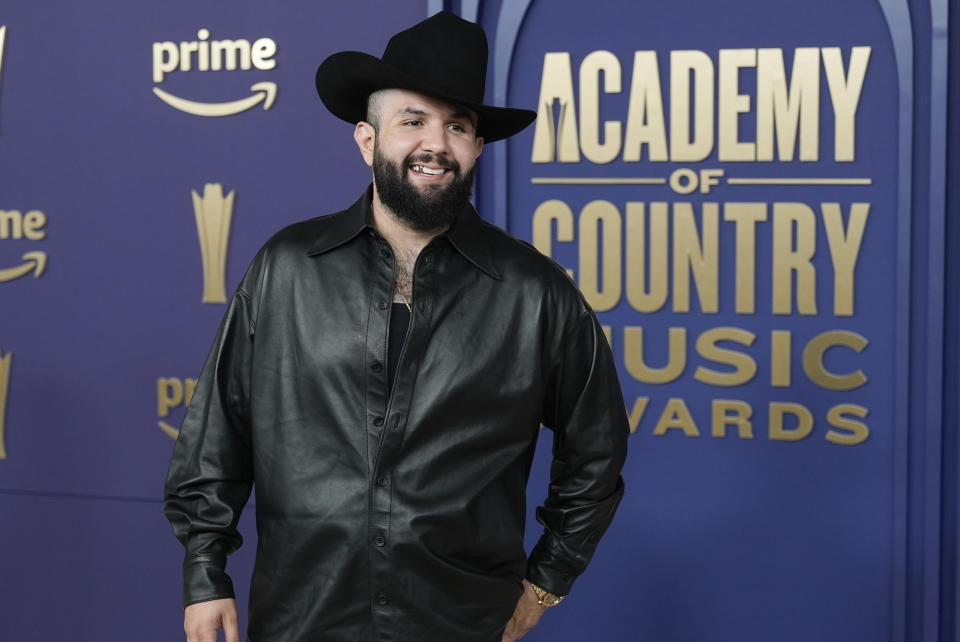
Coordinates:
(5,361)
(655,255)
(208,55)
(3,37)
(213,213)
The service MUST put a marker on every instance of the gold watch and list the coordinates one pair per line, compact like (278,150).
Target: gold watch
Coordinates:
(546,598)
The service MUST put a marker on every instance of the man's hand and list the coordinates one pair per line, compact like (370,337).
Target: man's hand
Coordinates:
(526,616)
(201,621)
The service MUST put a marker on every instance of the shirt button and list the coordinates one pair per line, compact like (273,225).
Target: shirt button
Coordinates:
(378,421)
(382,304)
(382,599)
(380,540)
(376,366)
(382,481)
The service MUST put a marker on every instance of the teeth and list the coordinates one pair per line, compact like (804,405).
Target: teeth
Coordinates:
(428,170)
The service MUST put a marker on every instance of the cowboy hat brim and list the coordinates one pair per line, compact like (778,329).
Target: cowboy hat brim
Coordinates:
(346,79)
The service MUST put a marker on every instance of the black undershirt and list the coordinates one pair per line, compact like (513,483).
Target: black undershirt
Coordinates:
(399,320)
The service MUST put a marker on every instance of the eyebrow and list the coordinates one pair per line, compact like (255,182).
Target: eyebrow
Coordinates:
(460,114)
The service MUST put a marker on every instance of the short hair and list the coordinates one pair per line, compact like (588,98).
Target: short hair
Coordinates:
(375,109)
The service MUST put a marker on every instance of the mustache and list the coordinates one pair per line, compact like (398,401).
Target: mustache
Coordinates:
(442,160)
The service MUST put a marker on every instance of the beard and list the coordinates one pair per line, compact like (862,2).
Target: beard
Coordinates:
(437,206)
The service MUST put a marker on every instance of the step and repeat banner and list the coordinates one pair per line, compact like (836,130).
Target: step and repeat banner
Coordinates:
(729,185)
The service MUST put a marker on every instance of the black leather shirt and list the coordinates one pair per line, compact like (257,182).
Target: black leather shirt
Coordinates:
(396,516)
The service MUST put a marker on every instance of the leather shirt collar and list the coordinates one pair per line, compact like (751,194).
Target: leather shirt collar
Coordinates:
(466,234)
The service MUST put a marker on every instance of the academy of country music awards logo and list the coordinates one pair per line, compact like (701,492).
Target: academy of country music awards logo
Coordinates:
(654,255)
(213,212)
(206,55)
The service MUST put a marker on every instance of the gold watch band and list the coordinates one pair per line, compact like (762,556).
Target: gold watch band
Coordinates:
(545,598)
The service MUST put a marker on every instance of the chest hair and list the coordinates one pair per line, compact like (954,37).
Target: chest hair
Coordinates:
(406,259)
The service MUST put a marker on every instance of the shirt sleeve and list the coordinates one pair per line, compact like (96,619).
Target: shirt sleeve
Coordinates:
(585,409)
(211,473)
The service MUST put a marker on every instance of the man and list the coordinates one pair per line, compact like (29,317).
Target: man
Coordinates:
(382,375)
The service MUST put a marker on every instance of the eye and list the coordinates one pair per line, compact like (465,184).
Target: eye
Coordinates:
(413,123)
(457,127)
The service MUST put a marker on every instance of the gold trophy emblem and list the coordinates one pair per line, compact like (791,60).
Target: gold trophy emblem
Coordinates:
(213,212)
(3,37)
(5,362)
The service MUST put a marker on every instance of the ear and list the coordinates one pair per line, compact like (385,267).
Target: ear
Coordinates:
(365,135)
(479,147)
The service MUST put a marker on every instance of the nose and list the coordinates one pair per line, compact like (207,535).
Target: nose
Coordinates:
(434,138)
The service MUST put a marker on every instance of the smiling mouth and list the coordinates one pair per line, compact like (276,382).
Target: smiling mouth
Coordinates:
(429,171)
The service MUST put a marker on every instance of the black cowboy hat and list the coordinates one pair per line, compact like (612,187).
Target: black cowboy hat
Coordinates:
(444,56)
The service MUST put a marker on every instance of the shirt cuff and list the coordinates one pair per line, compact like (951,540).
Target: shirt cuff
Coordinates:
(548,571)
(205,578)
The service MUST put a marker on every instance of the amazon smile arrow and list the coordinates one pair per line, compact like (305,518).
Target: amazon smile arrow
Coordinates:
(35,262)
(171,432)
(263,91)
